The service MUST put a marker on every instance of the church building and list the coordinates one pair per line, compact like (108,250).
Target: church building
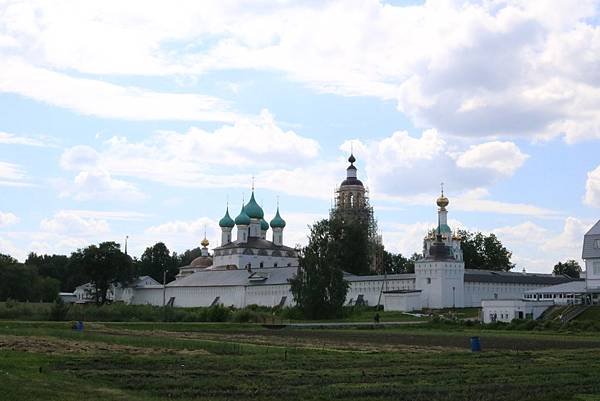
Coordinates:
(256,267)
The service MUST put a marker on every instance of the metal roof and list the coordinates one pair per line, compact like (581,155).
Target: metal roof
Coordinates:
(590,251)
(236,277)
(489,276)
(571,287)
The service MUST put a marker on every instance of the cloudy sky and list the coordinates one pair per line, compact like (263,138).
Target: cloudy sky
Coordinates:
(145,118)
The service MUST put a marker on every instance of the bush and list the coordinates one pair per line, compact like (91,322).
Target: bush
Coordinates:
(218,313)
(59,310)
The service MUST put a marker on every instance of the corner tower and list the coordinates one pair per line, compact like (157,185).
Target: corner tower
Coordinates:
(440,272)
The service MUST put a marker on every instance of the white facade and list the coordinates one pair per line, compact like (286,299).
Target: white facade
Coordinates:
(403,301)
(505,310)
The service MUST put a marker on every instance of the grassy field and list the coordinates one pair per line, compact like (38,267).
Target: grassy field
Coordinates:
(226,361)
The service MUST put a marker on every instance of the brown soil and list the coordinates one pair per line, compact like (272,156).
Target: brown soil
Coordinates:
(368,340)
(48,345)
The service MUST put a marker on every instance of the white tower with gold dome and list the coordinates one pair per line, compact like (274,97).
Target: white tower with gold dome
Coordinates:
(440,272)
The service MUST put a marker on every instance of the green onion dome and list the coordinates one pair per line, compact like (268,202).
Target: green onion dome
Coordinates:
(243,219)
(264,226)
(253,210)
(277,221)
(226,221)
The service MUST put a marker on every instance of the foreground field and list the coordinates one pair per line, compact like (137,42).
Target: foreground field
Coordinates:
(153,361)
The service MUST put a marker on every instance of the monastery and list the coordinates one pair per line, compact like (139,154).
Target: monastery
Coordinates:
(255,270)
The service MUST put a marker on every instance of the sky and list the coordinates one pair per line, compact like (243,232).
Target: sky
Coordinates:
(146,119)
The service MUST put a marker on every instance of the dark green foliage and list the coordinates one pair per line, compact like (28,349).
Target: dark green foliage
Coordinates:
(570,268)
(319,288)
(105,265)
(6,260)
(59,310)
(355,246)
(396,263)
(23,283)
(186,258)
(155,260)
(484,252)
(57,267)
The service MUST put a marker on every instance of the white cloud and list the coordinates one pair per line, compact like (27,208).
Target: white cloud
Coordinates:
(537,248)
(592,188)
(65,222)
(225,157)
(118,215)
(501,157)
(7,219)
(14,139)
(12,175)
(481,68)
(7,247)
(102,99)
(97,184)
(402,165)
(179,235)
(186,228)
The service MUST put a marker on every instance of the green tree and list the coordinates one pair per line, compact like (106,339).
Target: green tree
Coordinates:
(186,258)
(57,267)
(157,259)
(398,264)
(484,252)
(570,268)
(319,288)
(23,283)
(105,265)
(6,260)
(356,249)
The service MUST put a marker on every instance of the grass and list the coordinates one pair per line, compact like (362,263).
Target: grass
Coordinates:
(224,361)
(592,313)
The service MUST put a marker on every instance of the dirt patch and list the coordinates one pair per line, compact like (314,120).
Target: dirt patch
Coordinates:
(46,345)
(368,340)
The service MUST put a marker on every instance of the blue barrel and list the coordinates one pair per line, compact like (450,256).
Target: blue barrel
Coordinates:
(475,344)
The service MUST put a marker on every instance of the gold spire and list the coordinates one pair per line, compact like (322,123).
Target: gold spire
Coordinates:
(442,201)
(204,242)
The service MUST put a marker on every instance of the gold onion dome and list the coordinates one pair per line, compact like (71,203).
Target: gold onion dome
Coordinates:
(204,242)
(442,201)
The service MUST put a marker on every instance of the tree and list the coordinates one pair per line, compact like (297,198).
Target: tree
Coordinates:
(570,268)
(319,288)
(351,234)
(105,265)
(186,258)
(484,252)
(157,259)
(23,283)
(57,267)
(398,264)
(6,260)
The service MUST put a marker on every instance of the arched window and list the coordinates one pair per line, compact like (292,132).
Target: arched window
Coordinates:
(262,264)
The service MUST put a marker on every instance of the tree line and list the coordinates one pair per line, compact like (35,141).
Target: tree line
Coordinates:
(41,277)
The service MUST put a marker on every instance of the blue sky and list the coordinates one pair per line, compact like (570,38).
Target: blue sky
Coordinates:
(144,120)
